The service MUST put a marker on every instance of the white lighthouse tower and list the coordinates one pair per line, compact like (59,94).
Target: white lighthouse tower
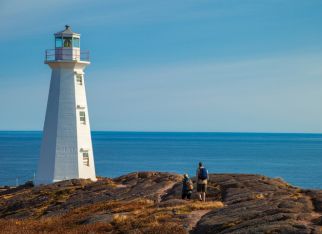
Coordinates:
(66,150)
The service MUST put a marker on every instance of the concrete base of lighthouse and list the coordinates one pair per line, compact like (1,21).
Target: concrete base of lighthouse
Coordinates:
(66,151)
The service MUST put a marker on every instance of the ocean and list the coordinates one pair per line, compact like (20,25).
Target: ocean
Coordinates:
(296,158)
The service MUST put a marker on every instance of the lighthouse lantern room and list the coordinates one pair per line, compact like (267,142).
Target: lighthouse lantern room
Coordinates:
(66,149)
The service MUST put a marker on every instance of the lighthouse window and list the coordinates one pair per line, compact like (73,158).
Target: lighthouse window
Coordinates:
(58,42)
(82,117)
(85,159)
(67,42)
(79,79)
(76,42)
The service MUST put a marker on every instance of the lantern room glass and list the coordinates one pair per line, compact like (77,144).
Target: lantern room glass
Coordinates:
(76,42)
(67,42)
(58,42)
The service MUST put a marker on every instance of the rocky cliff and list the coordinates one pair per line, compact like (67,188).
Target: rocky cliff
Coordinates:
(149,202)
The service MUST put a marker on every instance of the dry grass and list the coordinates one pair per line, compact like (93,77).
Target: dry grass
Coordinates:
(259,196)
(136,216)
(7,196)
(296,196)
(206,205)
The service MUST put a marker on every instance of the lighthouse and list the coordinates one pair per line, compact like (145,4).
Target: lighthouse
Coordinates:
(66,150)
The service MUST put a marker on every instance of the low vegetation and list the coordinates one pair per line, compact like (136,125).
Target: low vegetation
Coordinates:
(149,202)
(136,216)
(135,203)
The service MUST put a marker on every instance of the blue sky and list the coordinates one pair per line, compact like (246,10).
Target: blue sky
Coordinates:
(171,65)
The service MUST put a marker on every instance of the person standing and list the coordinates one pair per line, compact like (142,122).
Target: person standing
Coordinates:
(202,181)
(187,187)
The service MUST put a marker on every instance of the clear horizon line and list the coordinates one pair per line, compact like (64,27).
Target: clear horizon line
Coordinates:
(158,131)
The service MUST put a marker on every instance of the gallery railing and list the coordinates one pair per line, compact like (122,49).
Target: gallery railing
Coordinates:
(68,54)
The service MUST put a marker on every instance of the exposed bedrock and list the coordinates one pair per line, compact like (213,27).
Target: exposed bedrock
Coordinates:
(250,204)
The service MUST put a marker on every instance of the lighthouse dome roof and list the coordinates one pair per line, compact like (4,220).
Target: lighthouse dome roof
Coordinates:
(67,32)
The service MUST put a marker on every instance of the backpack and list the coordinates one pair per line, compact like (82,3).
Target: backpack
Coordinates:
(203,174)
(189,185)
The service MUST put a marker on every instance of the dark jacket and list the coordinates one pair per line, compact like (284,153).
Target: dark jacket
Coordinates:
(185,184)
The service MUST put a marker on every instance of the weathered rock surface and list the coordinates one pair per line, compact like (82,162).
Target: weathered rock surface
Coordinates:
(257,204)
(60,197)
(149,202)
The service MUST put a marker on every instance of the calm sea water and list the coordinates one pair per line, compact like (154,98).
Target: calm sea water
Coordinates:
(297,158)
